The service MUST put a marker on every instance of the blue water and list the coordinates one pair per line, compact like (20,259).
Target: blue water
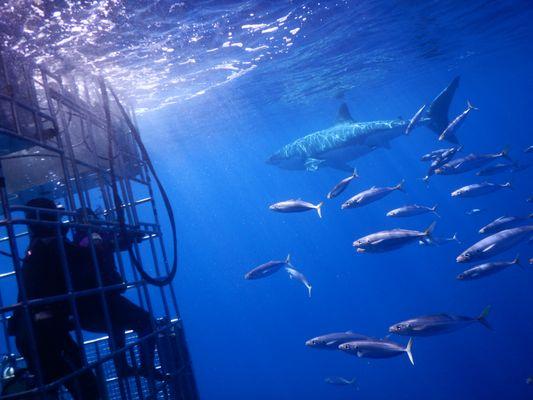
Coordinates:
(386,59)
(247,337)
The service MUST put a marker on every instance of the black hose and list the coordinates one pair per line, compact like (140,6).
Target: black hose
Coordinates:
(159,281)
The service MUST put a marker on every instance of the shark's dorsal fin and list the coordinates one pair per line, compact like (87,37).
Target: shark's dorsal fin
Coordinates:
(343,115)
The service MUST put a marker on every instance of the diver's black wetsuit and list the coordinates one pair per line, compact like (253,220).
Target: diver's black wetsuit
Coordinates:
(123,314)
(57,353)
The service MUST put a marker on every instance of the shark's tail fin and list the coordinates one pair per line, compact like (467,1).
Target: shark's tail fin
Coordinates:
(482,319)
(355,174)
(408,350)
(434,210)
(438,110)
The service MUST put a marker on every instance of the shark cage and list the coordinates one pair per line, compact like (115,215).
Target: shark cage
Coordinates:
(66,137)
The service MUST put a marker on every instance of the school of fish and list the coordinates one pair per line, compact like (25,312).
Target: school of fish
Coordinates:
(500,235)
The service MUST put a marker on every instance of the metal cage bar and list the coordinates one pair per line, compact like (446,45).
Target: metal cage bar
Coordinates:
(83,175)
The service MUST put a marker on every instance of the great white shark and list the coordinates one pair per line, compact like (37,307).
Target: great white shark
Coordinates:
(348,140)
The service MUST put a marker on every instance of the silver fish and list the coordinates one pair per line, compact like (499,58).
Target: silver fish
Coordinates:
(495,244)
(292,206)
(412,210)
(437,324)
(342,185)
(378,349)
(267,269)
(415,120)
(529,149)
(440,161)
(332,341)
(433,154)
(480,189)
(504,222)
(339,381)
(294,274)
(452,128)
(370,195)
(469,163)
(501,168)
(391,239)
(474,211)
(486,269)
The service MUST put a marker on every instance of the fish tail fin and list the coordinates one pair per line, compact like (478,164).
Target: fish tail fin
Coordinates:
(437,113)
(309,289)
(471,106)
(429,231)
(516,261)
(288,260)
(482,319)
(400,186)
(355,174)
(319,209)
(408,350)
(434,210)
(508,185)
(505,153)
(455,238)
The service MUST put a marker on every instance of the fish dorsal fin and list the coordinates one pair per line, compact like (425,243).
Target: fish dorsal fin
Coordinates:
(343,115)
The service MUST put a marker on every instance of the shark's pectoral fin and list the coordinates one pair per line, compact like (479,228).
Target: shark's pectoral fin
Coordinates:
(312,164)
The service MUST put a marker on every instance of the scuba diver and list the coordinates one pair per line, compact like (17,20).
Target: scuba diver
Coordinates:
(123,313)
(53,354)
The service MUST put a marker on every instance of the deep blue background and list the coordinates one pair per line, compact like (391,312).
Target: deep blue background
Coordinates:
(247,337)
